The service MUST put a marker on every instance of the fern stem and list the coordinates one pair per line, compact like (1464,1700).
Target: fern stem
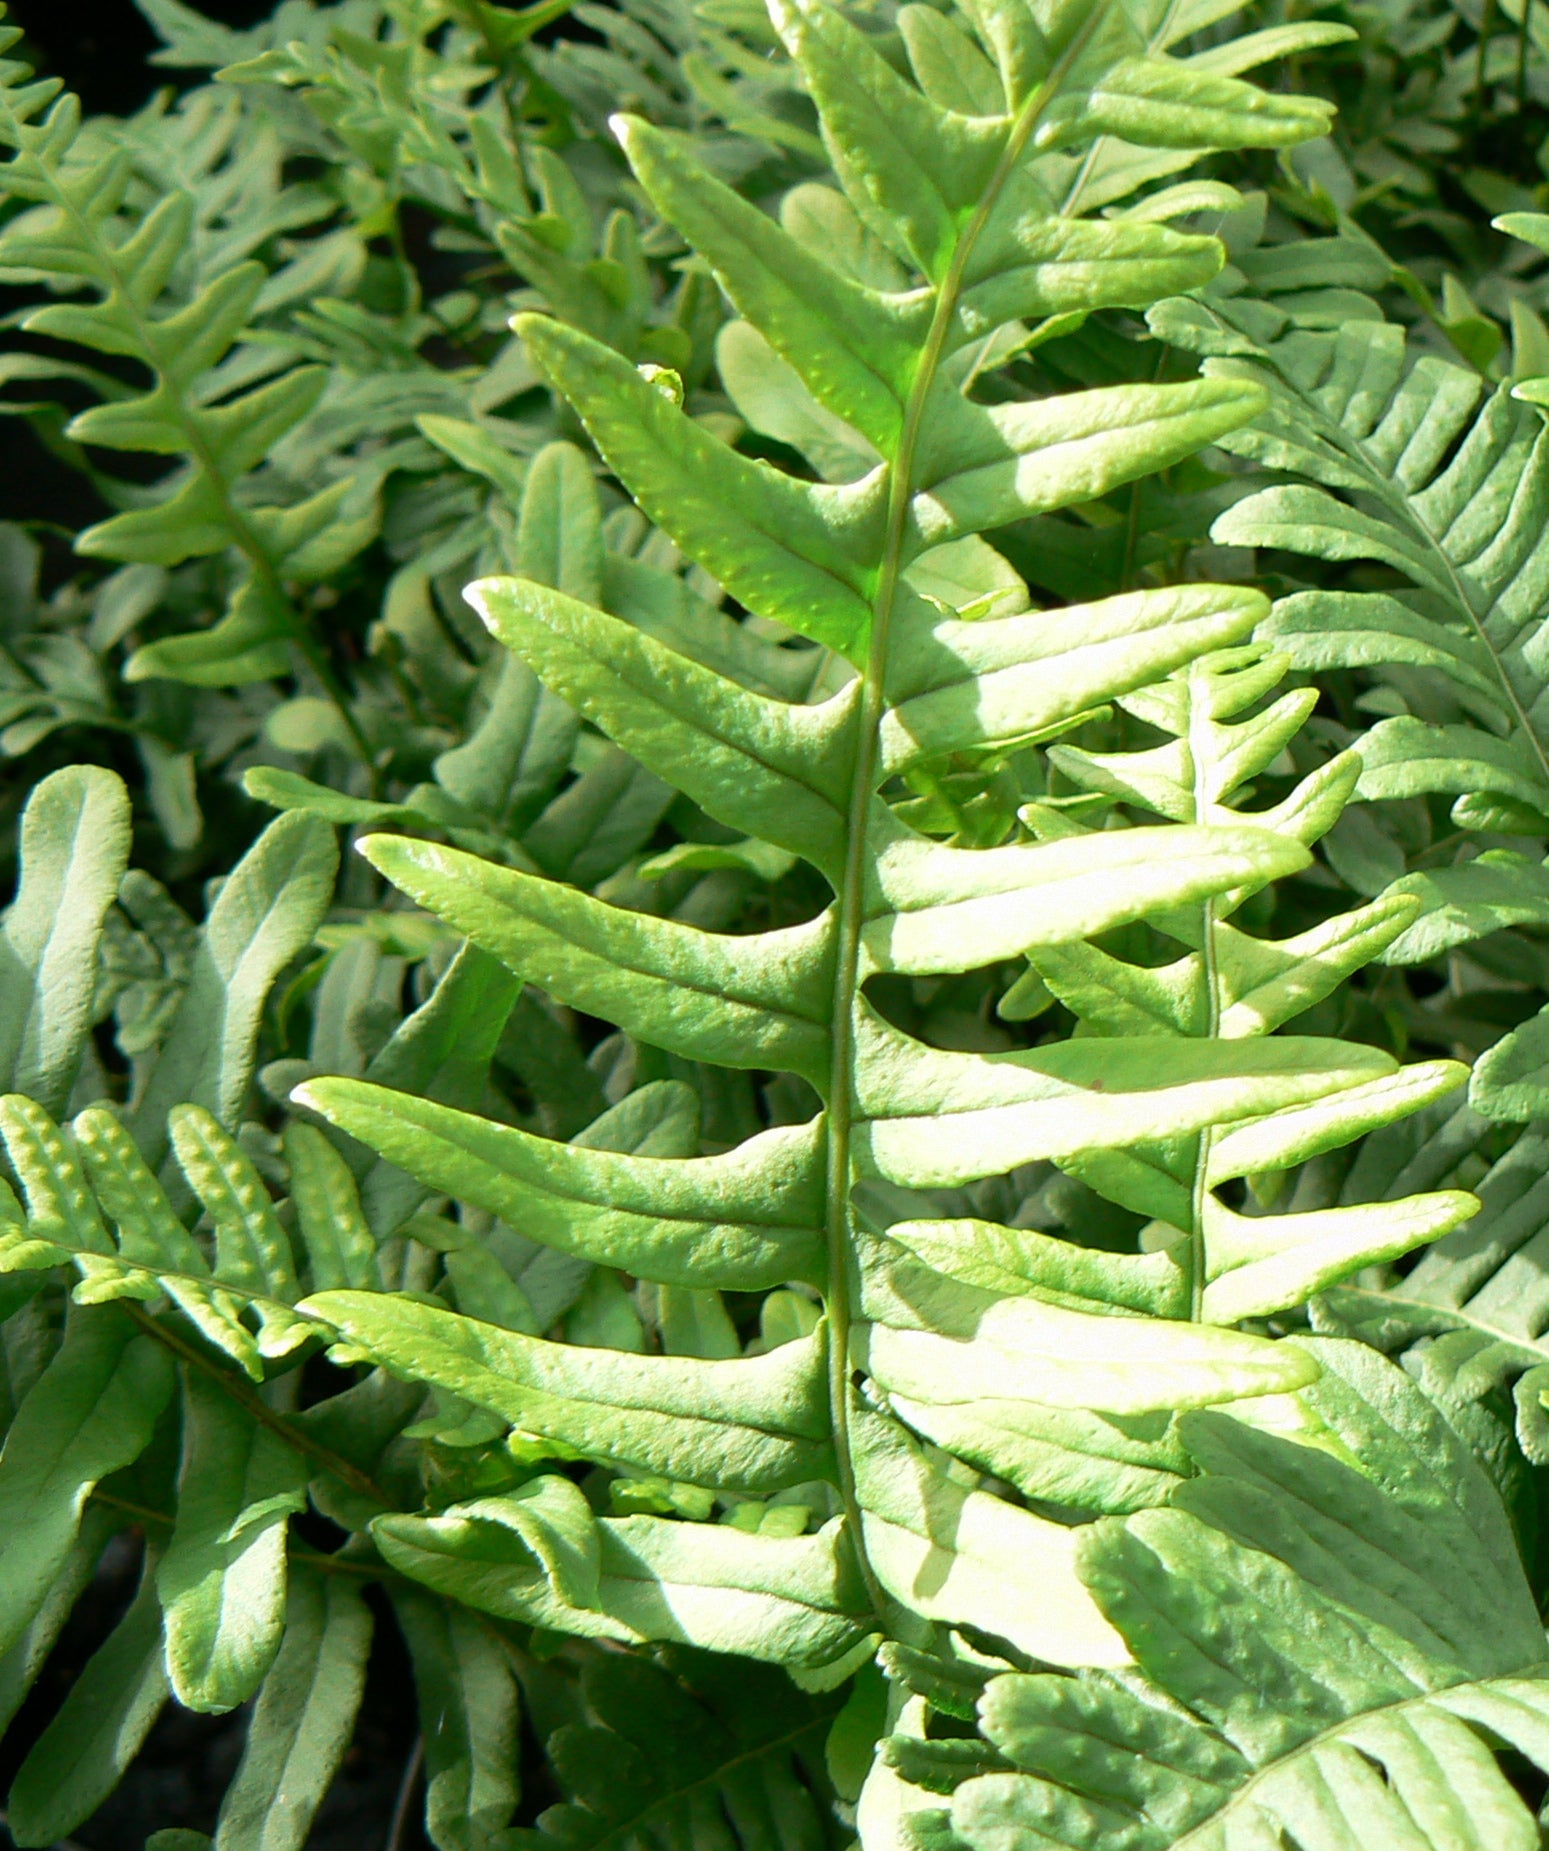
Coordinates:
(1206,797)
(1486,27)
(249,1399)
(840,1292)
(336,1564)
(316,658)
(398,1826)
(142,1513)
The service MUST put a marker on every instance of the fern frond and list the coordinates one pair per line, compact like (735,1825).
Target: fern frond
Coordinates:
(92,1443)
(1360,413)
(1472,556)
(668,1751)
(76,238)
(1469,1317)
(192,41)
(957,199)
(1233,985)
(818,1158)
(1333,1640)
(1422,470)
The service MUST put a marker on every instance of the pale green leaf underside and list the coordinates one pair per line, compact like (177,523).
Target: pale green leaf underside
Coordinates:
(1338,1635)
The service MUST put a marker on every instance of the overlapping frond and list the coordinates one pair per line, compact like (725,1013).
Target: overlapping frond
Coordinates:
(1333,1641)
(1204,1260)
(672,1751)
(1469,1318)
(1424,471)
(1235,985)
(1449,478)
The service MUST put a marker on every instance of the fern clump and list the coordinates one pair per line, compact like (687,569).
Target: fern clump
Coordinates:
(886,1203)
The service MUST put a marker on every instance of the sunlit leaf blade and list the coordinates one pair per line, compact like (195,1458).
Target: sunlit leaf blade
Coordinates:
(745,1219)
(757,1423)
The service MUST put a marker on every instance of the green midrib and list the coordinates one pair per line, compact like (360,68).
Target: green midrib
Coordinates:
(841,1288)
(1533,1351)
(1205,1836)
(1207,796)
(249,1398)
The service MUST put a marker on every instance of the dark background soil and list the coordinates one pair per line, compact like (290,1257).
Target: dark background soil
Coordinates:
(100,47)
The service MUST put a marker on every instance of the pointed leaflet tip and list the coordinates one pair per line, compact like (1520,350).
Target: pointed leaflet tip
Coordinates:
(629,128)
(304,1097)
(785,16)
(527,318)
(476,597)
(371,847)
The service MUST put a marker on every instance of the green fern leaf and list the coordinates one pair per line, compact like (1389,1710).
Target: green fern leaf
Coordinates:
(757,1424)
(671,1750)
(469,1719)
(748,1219)
(1467,1318)
(267,911)
(221,1583)
(1310,1662)
(91,1413)
(97,1731)
(302,1719)
(1430,461)
(74,849)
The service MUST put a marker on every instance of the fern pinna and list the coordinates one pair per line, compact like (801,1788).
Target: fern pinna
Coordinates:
(1328,1641)
(978,177)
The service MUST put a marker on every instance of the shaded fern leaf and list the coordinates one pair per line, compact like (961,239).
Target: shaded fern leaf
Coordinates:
(684,1750)
(150,1253)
